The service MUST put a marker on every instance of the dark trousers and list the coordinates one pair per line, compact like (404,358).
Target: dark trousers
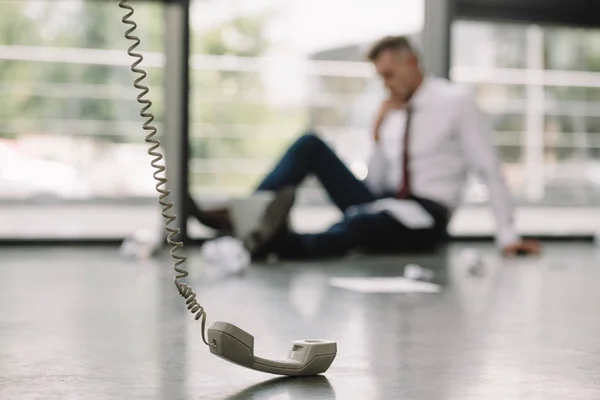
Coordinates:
(370,232)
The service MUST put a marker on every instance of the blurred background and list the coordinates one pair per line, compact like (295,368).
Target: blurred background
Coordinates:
(73,162)
(233,83)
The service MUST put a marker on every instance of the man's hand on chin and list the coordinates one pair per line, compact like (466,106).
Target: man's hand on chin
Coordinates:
(524,247)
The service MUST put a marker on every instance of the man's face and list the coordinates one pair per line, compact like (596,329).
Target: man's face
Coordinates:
(398,71)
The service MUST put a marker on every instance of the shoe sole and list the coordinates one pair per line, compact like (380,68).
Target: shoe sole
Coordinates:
(220,220)
(273,220)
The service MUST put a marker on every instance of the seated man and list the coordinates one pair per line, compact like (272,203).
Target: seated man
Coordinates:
(428,135)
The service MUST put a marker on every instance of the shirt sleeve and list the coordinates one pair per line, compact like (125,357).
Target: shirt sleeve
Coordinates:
(476,139)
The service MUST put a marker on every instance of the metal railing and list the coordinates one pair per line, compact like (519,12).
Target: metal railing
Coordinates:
(254,166)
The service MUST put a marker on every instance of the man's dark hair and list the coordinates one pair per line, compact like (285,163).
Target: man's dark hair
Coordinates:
(395,43)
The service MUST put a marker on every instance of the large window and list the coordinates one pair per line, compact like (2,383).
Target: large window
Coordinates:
(73,161)
(541,88)
(263,72)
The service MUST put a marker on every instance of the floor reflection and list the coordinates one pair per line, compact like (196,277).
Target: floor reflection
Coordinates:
(289,388)
(172,348)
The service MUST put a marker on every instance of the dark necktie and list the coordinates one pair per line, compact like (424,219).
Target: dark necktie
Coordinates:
(404,192)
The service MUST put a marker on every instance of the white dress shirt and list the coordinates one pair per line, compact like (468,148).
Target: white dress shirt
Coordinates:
(449,137)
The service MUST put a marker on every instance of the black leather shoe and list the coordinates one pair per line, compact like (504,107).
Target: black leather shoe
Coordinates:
(218,219)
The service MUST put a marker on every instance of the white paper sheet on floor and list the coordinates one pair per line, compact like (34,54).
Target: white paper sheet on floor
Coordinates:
(384,285)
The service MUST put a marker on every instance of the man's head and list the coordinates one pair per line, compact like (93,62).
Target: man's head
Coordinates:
(397,63)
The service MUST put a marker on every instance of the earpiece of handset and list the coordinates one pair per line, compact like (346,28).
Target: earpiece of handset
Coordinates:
(307,357)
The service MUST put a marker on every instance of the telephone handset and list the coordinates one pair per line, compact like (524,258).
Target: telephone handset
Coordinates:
(307,357)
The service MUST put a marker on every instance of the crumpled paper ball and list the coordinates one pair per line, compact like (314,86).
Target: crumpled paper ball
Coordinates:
(225,255)
(417,273)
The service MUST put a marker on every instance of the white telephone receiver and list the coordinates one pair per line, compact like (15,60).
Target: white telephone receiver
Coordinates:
(307,357)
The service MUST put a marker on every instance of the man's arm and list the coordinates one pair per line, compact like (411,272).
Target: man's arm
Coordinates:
(386,106)
(481,154)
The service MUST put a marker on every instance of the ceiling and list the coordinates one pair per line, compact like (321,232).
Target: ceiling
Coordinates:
(583,13)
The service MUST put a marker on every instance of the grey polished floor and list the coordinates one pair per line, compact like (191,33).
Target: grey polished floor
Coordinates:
(86,324)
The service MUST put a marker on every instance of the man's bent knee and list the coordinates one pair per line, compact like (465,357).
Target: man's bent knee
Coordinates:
(310,140)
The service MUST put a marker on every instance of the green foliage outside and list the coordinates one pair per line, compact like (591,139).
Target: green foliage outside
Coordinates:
(230,119)
(216,124)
